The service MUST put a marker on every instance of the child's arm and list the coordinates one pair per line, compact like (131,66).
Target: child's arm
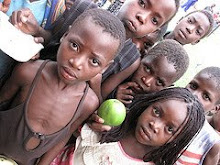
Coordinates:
(114,80)
(21,76)
(213,156)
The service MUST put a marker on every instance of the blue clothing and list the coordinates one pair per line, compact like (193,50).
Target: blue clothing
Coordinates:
(188,4)
(37,8)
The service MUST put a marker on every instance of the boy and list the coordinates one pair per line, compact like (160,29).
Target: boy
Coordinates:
(139,18)
(192,28)
(151,75)
(49,100)
(145,43)
(206,146)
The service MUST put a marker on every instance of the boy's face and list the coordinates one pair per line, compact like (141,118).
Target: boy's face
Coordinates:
(153,74)
(141,17)
(85,51)
(159,122)
(191,28)
(205,89)
(145,43)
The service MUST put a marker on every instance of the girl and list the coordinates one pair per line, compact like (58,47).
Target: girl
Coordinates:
(158,127)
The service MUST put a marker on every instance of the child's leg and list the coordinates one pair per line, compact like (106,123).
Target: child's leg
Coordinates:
(65,157)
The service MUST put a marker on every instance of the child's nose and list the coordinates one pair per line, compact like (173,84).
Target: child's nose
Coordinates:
(155,126)
(148,81)
(142,17)
(190,29)
(76,63)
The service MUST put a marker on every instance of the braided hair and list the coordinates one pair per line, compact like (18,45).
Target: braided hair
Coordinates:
(169,152)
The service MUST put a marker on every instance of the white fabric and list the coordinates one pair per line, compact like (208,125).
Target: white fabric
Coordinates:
(89,151)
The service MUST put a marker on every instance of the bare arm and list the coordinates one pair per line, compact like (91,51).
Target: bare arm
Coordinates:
(22,75)
(213,156)
(114,80)
(90,104)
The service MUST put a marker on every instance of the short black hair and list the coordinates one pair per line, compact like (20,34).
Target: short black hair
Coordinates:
(171,151)
(214,75)
(108,21)
(174,53)
(208,15)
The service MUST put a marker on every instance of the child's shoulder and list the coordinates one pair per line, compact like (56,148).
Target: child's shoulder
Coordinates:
(91,100)
(27,71)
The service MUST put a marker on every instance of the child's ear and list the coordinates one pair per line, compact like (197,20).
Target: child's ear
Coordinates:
(193,43)
(110,62)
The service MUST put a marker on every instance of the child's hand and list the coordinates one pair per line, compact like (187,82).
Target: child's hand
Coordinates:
(96,123)
(124,92)
(25,21)
(4,6)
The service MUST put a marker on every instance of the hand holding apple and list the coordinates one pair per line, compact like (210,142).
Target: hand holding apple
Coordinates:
(112,111)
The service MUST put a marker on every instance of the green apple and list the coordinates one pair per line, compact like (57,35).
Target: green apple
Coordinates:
(112,111)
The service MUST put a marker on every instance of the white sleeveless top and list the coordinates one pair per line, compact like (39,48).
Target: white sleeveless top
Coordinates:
(89,151)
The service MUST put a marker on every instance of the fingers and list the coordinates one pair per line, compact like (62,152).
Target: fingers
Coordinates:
(96,123)
(39,40)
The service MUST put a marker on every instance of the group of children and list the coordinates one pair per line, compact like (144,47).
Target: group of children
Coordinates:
(95,58)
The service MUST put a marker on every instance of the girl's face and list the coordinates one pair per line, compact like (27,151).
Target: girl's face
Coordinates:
(141,17)
(158,124)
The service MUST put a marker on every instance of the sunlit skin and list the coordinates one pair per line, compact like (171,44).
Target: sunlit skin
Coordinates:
(205,89)
(78,55)
(157,125)
(152,76)
(192,28)
(141,17)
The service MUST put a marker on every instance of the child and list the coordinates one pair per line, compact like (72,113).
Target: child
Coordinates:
(47,101)
(151,75)
(139,19)
(192,28)
(206,146)
(155,131)
(145,43)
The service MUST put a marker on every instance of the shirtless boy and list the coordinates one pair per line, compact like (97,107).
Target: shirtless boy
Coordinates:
(43,102)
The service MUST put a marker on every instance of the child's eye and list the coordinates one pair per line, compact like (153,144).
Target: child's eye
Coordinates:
(159,82)
(74,46)
(189,20)
(170,129)
(206,97)
(142,3)
(95,62)
(198,32)
(154,20)
(156,111)
(147,69)
(193,86)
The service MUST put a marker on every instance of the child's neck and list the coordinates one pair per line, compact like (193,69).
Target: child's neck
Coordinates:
(133,148)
